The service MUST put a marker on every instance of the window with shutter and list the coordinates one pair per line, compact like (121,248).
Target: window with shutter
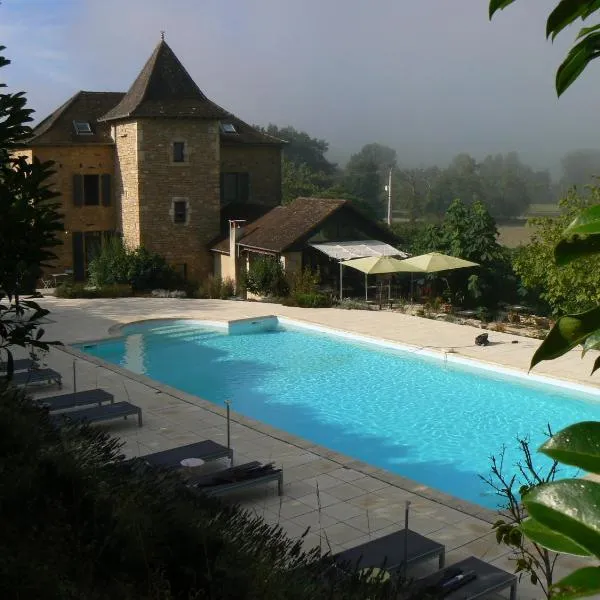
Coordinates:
(78,256)
(106,189)
(243,187)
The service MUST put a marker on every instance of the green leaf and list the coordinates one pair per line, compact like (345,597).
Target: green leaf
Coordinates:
(587,221)
(568,507)
(496,5)
(579,584)
(541,535)
(576,247)
(565,12)
(567,332)
(592,342)
(577,445)
(596,366)
(577,60)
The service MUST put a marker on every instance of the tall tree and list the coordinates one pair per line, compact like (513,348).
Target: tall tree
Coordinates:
(29,224)
(366,175)
(303,149)
(298,180)
(580,168)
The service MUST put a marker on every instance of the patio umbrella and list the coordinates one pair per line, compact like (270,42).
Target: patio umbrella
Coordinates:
(434,262)
(378,265)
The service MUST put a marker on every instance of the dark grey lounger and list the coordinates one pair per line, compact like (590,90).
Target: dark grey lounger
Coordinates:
(236,478)
(488,579)
(389,551)
(82,398)
(106,412)
(37,376)
(21,364)
(205,450)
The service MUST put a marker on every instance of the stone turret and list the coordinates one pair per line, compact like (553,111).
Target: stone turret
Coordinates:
(167,188)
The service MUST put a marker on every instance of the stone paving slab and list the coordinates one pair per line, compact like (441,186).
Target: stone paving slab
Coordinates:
(341,501)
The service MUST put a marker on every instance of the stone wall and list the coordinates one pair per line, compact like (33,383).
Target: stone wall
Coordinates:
(263,163)
(83,160)
(127,182)
(195,181)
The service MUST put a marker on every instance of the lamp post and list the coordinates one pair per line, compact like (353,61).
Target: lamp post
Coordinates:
(388,188)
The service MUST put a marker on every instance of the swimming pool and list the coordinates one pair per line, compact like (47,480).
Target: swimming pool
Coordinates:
(434,421)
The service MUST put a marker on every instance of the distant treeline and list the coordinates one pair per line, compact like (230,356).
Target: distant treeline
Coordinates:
(502,182)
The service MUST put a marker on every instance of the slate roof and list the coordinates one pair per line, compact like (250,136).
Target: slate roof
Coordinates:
(283,226)
(58,128)
(165,89)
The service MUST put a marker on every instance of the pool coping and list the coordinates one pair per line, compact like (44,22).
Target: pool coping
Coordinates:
(471,509)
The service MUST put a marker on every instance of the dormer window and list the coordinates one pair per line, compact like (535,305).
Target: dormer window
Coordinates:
(82,128)
(178,152)
(228,128)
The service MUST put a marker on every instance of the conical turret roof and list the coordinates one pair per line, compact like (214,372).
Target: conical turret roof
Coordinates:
(164,89)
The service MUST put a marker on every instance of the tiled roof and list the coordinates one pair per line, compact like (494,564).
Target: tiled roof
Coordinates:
(58,128)
(283,226)
(165,89)
(246,134)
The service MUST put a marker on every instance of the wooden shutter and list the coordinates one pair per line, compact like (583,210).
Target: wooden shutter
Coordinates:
(244,187)
(222,187)
(78,190)
(78,256)
(105,189)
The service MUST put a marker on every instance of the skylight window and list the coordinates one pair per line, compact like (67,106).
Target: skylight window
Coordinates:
(82,128)
(228,128)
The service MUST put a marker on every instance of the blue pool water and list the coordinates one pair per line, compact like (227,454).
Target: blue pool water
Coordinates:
(433,422)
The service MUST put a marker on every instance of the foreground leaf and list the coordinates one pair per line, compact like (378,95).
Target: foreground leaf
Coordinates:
(564,14)
(496,5)
(568,250)
(577,60)
(550,539)
(569,507)
(579,584)
(568,332)
(577,445)
(592,342)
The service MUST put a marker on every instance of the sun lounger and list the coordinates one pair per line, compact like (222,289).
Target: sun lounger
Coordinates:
(235,478)
(205,450)
(82,398)
(469,579)
(37,376)
(105,412)
(389,552)
(21,364)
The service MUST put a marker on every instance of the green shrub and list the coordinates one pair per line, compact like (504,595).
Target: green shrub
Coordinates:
(216,287)
(266,277)
(78,522)
(82,290)
(313,300)
(304,281)
(141,269)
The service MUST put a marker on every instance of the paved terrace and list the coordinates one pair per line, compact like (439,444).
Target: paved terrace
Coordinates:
(344,502)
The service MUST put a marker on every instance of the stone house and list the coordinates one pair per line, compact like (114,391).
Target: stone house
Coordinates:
(157,165)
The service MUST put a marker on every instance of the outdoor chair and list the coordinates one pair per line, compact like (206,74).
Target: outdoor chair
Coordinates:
(392,552)
(104,412)
(82,398)
(206,450)
(469,579)
(48,376)
(240,477)
(21,364)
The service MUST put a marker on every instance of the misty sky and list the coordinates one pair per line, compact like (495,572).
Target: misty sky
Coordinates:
(430,78)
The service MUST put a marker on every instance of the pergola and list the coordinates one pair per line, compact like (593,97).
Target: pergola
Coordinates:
(342,251)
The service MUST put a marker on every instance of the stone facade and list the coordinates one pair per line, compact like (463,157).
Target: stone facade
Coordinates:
(262,163)
(127,182)
(70,161)
(161,182)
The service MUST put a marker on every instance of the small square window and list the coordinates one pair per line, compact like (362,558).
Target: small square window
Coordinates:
(82,128)
(179,211)
(178,152)
(228,128)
